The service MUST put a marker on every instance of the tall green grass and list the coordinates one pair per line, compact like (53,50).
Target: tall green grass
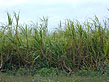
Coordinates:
(81,46)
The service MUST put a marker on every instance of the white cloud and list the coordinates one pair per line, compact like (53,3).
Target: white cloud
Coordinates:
(7,3)
(55,1)
(12,2)
(68,1)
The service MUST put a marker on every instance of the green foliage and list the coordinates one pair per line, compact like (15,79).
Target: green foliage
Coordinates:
(76,45)
(5,78)
(50,72)
(83,73)
(88,74)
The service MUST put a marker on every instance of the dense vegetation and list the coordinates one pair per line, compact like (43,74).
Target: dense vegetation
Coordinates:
(6,78)
(73,47)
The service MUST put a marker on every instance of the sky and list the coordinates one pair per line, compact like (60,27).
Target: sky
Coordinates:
(55,10)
